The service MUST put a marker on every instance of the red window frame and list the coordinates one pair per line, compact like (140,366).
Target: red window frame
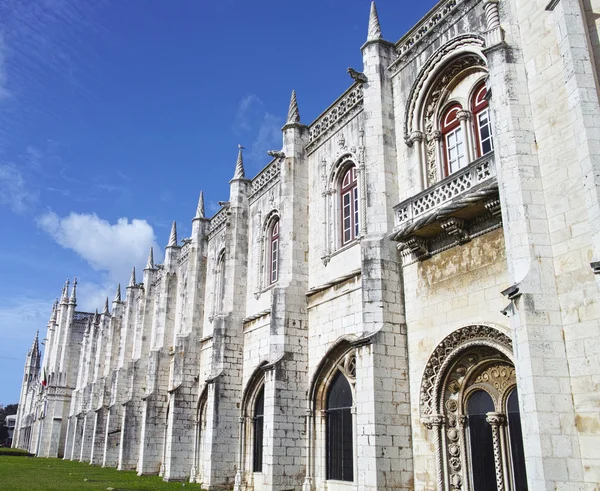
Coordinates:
(451,123)
(274,251)
(349,220)
(479,106)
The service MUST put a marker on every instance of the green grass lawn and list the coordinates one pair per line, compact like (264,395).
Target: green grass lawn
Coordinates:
(19,473)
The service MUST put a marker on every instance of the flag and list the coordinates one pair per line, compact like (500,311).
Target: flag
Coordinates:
(44,379)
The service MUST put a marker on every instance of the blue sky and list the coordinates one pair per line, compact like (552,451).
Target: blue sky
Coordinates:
(115,114)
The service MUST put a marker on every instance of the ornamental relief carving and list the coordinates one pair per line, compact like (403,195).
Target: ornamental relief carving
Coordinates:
(472,358)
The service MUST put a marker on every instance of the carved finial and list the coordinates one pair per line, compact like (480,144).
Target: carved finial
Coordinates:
(239,165)
(73,299)
(293,112)
(118,294)
(150,263)
(35,347)
(105,311)
(65,292)
(54,307)
(200,208)
(132,281)
(173,236)
(374,27)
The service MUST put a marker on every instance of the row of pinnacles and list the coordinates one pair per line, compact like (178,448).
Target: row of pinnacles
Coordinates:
(341,323)
(120,388)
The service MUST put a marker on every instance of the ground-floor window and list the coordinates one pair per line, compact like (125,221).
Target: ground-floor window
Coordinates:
(339,443)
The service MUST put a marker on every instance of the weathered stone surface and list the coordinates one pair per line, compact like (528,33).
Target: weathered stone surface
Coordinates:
(487,284)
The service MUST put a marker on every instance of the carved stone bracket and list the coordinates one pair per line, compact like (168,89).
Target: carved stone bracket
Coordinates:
(456,227)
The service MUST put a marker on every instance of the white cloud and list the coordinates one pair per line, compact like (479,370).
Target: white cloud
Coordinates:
(13,191)
(262,129)
(109,248)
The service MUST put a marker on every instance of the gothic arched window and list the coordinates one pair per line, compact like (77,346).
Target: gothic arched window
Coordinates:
(517,455)
(453,140)
(481,118)
(220,282)
(339,430)
(274,251)
(469,401)
(481,443)
(258,427)
(349,205)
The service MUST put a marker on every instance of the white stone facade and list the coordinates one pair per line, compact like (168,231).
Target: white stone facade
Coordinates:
(430,241)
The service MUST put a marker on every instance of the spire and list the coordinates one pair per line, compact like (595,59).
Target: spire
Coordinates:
(293,116)
(239,165)
(200,209)
(73,299)
(65,292)
(132,278)
(150,263)
(105,311)
(374,27)
(118,294)
(35,347)
(173,236)
(53,315)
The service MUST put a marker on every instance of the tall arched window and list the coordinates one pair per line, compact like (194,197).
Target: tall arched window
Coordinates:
(483,473)
(349,205)
(469,402)
(481,118)
(220,282)
(258,426)
(274,251)
(339,430)
(515,435)
(453,140)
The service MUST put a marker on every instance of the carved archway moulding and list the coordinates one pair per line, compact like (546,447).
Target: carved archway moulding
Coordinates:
(451,347)
(430,72)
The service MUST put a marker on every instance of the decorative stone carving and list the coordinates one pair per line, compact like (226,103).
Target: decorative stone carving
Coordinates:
(494,34)
(430,24)
(456,227)
(358,77)
(431,382)
(501,377)
(265,179)
(473,42)
(349,101)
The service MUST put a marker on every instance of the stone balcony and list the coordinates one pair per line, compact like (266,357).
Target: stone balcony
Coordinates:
(453,211)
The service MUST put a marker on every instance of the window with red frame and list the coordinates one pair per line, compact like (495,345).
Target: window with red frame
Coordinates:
(274,252)
(481,118)
(454,140)
(349,205)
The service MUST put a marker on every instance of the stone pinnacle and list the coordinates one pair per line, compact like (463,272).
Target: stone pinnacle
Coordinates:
(118,294)
(73,299)
(374,27)
(150,263)
(132,278)
(293,116)
(239,165)
(105,311)
(173,236)
(200,209)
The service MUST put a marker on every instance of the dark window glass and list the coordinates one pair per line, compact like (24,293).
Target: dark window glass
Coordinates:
(516,442)
(259,416)
(481,443)
(339,430)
